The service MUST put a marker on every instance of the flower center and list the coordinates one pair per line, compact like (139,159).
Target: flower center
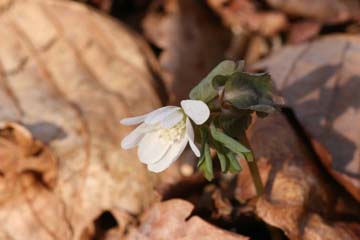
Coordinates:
(173,134)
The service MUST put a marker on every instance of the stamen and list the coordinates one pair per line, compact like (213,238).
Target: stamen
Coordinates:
(173,134)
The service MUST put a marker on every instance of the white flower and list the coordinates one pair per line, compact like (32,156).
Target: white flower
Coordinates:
(164,133)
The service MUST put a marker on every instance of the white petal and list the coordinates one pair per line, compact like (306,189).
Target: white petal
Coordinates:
(172,119)
(133,120)
(152,148)
(190,136)
(135,136)
(171,156)
(197,110)
(159,114)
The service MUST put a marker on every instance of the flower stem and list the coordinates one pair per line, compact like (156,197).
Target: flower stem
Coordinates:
(254,170)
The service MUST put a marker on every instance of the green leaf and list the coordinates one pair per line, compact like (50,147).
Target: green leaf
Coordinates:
(206,165)
(246,91)
(234,125)
(209,174)
(228,141)
(221,153)
(205,161)
(234,166)
(204,140)
(227,158)
(205,91)
(223,161)
(263,108)
(249,156)
(219,81)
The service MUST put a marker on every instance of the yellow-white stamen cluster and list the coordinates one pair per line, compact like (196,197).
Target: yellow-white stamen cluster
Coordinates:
(174,133)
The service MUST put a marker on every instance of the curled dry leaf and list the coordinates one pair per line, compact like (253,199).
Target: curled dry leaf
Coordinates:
(243,15)
(67,81)
(20,144)
(168,220)
(192,41)
(20,153)
(320,82)
(299,198)
(330,11)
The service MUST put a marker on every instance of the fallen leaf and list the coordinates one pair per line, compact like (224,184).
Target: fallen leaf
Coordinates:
(192,41)
(67,75)
(329,11)
(104,5)
(299,198)
(320,82)
(222,204)
(257,49)
(168,219)
(20,152)
(303,31)
(244,15)
(317,229)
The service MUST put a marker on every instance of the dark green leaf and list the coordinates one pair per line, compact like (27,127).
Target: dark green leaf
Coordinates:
(239,92)
(234,125)
(204,90)
(263,108)
(219,81)
(246,91)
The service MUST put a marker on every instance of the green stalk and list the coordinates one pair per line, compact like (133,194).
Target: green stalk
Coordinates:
(254,170)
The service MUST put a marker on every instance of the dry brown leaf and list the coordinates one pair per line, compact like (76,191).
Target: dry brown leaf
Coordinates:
(243,15)
(257,48)
(320,82)
(67,75)
(168,220)
(222,205)
(298,198)
(303,31)
(317,229)
(20,152)
(323,10)
(192,39)
(104,5)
